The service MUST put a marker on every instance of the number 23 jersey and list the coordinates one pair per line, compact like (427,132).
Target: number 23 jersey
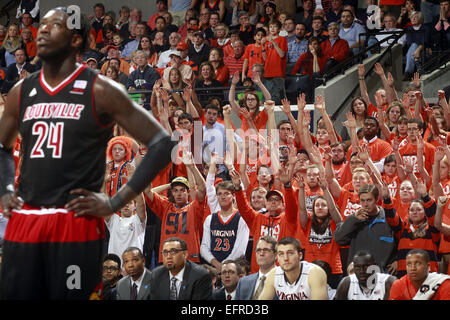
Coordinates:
(63,139)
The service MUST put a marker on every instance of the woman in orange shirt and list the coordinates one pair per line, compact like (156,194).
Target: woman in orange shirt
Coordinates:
(319,230)
(220,69)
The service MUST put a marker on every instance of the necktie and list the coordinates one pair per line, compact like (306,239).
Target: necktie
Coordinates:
(133,292)
(260,288)
(173,289)
(229,297)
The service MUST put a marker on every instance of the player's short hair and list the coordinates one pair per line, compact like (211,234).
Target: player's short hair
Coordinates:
(290,240)
(271,240)
(421,252)
(369,188)
(112,257)
(239,269)
(129,249)
(182,243)
(186,116)
(227,185)
(363,253)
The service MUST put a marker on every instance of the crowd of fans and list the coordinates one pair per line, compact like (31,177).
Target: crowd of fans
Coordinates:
(229,185)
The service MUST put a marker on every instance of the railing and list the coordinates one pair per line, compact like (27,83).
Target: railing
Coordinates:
(359,58)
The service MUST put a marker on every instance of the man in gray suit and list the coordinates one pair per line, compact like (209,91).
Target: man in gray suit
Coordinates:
(136,285)
(178,278)
(250,287)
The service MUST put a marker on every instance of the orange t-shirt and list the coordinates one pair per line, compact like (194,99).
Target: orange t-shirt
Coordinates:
(393,184)
(378,149)
(283,225)
(409,151)
(253,54)
(275,66)
(322,247)
(348,203)
(182,222)
(260,120)
(223,75)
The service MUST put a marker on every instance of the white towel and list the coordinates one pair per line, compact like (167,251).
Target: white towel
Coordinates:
(430,286)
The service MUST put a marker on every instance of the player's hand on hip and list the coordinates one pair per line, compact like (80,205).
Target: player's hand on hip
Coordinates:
(89,203)
(10,202)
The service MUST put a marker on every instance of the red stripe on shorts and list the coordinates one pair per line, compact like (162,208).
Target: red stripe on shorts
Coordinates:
(40,225)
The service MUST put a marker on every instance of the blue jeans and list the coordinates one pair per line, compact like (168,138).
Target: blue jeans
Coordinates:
(410,63)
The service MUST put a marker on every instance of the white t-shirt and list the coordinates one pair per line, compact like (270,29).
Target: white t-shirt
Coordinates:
(124,233)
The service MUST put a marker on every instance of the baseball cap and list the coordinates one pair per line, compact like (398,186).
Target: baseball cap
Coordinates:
(182,46)
(180,180)
(199,32)
(175,52)
(274,192)
(91,59)
(111,47)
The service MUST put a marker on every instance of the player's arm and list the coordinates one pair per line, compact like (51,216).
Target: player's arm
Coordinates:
(269,287)
(318,283)
(342,289)
(112,100)
(387,286)
(8,134)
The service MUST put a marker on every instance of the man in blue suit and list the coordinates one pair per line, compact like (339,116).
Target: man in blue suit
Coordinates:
(250,287)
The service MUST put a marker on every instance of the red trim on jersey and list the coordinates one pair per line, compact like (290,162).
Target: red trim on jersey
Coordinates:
(229,219)
(52,91)
(44,225)
(94,111)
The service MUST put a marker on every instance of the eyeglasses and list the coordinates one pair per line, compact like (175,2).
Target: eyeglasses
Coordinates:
(265,250)
(272,199)
(111,269)
(228,272)
(171,252)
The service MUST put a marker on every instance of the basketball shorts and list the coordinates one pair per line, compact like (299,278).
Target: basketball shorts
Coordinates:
(50,254)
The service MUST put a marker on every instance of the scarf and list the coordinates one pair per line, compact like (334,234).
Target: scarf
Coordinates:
(420,230)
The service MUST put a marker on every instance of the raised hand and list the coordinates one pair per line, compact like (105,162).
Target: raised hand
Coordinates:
(235,178)
(285,174)
(441,201)
(286,106)
(301,101)
(351,121)
(235,79)
(378,69)
(417,80)
(361,71)
(319,103)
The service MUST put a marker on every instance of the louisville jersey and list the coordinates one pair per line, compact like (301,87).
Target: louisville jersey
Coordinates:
(64,140)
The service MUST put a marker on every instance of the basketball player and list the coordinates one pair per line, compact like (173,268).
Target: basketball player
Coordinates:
(65,115)
(365,283)
(294,279)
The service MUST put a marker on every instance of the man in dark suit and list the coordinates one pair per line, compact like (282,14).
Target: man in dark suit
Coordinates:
(135,286)
(179,278)
(17,71)
(230,274)
(250,287)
